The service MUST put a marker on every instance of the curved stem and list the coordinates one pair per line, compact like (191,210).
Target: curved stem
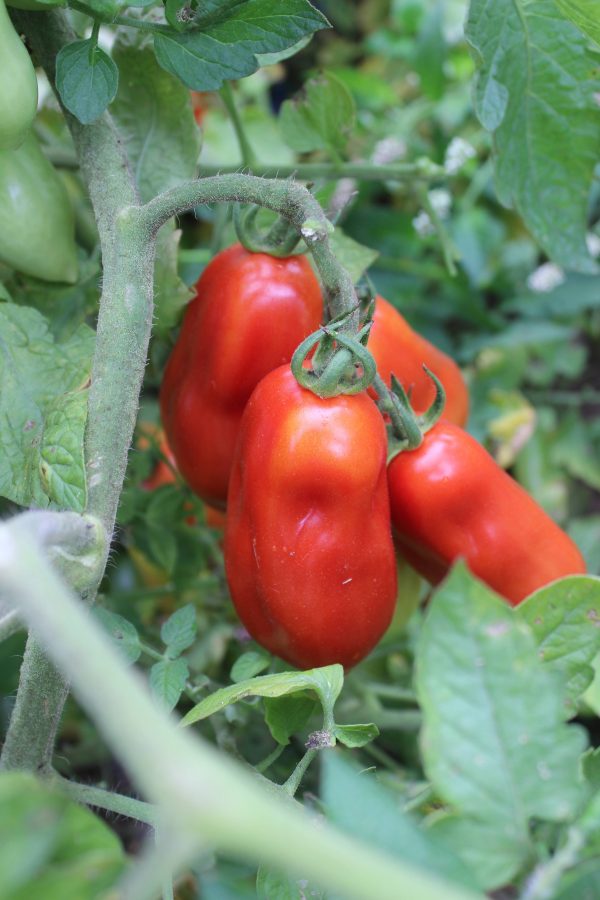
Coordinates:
(291,200)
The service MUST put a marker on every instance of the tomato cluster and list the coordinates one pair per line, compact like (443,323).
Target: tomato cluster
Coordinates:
(313,507)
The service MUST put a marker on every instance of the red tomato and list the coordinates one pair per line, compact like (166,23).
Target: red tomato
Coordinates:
(250,312)
(308,547)
(399,350)
(450,499)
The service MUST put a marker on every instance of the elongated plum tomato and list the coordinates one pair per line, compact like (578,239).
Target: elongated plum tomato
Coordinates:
(37,225)
(309,554)
(18,86)
(249,314)
(399,350)
(450,499)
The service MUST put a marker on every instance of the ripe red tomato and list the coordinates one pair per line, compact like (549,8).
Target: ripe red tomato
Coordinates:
(399,350)
(250,312)
(309,554)
(450,499)
(162,472)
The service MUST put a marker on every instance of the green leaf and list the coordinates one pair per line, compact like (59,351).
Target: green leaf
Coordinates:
(87,80)
(171,294)
(179,631)
(590,763)
(495,745)
(356,735)
(154,114)
(565,620)
(362,807)
(167,680)
(271,885)
(43,407)
(50,847)
(535,92)
(583,13)
(355,257)
(271,59)
(249,664)
(123,633)
(227,48)
(286,716)
(321,117)
(326,682)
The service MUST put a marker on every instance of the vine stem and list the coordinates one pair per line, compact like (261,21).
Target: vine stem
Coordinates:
(200,794)
(291,200)
(421,170)
(247,153)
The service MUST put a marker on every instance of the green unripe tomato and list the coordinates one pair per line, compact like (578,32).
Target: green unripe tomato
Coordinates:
(18,86)
(37,229)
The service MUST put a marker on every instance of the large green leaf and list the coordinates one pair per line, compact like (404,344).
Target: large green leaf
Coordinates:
(585,14)
(359,805)
(227,45)
(320,117)
(495,744)
(154,113)
(51,848)
(535,92)
(43,409)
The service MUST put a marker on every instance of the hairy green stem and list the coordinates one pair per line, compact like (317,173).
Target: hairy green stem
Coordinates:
(200,794)
(123,333)
(293,782)
(421,170)
(247,153)
(108,800)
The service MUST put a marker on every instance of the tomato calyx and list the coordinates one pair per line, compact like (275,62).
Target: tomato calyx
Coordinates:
(280,240)
(341,363)
(406,428)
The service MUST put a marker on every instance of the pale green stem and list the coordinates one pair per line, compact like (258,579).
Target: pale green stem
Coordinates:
(247,153)
(199,793)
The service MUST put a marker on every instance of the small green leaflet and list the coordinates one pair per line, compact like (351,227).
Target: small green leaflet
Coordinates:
(536,92)
(87,80)
(320,117)
(167,680)
(326,682)
(227,48)
(43,410)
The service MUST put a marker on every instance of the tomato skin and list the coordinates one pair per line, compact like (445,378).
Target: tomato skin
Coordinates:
(398,349)
(37,225)
(18,86)
(450,499)
(309,554)
(249,314)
